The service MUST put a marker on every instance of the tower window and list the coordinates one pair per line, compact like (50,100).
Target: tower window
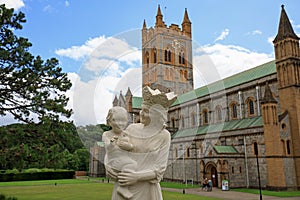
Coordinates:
(154,56)
(181,58)
(147,59)
(167,55)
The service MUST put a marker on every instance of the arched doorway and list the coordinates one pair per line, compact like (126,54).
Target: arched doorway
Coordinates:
(212,174)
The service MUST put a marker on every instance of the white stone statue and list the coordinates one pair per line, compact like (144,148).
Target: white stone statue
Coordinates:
(148,157)
(117,146)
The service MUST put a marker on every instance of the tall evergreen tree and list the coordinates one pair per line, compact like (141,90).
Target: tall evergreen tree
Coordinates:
(29,86)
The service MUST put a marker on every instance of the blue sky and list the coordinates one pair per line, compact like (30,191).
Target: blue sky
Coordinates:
(236,35)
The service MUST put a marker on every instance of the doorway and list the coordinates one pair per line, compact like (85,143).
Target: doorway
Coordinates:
(212,174)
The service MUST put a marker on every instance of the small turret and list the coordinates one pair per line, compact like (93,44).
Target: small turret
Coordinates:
(186,24)
(144,25)
(128,98)
(115,102)
(159,19)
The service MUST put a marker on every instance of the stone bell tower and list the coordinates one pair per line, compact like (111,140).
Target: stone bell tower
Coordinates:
(287,55)
(167,55)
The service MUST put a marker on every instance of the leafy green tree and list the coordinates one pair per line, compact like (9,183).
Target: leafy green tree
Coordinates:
(83,156)
(29,86)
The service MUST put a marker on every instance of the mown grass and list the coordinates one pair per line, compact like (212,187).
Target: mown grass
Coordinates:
(270,193)
(74,189)
(177,185)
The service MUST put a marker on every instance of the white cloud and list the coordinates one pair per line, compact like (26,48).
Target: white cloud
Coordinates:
(79,52)
(91,100)
(223,35)
(270,39)
(16,4)
(255,32)
(219,61)
(48,8)
(67,3)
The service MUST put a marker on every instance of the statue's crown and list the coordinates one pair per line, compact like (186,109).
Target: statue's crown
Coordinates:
(152,97)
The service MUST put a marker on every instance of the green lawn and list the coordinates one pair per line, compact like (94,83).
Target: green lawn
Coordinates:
(270,193)
(72,190)
(177,185)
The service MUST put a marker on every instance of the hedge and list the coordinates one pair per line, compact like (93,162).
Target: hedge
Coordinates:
(29,176)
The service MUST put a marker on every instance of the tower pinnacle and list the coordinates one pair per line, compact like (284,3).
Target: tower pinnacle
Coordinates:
(186,17)
(159,18)
(144,24)
(285,29)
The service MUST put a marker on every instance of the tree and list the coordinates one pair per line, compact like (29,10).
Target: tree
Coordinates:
(30,88)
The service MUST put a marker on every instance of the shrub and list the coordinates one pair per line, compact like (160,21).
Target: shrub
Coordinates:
(36,174)
(2,197)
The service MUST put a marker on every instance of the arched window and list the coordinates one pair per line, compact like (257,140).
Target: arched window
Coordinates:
(147,59)
(188,152)
(219,113)
(251,107)
(182,121)
(288,148)
(205,116)
(154,56)
(193,119)
(166,55)
(173,122)
(255,148)
(181,57)
(176,152)
(234,110)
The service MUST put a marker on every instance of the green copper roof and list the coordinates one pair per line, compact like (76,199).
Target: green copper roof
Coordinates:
(221,127)
(237,79)
(225,149)
(137,102)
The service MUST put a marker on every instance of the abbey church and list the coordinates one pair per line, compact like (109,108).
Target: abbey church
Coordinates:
(217,128)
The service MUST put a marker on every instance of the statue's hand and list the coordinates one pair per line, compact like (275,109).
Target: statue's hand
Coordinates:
(125,145)
(127,178)
(111,174)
